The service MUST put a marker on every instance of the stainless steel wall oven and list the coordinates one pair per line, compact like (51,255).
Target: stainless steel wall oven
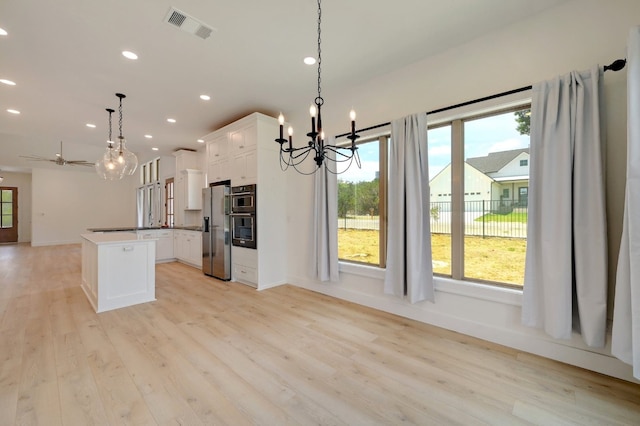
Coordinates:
(243,199)
(243,216)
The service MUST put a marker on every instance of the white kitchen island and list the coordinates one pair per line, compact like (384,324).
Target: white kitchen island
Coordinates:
(118,270)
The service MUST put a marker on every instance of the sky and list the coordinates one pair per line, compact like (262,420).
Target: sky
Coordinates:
(482,136)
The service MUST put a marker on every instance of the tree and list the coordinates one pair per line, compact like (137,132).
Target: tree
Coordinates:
(523,118)
(345,198)
(368,197)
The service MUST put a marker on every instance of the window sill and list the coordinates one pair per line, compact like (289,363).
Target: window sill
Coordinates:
(470,289)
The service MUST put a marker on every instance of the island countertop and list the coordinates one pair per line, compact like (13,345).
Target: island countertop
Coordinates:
(111,237)
(134,229)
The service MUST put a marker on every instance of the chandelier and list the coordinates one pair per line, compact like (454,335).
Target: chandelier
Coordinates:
(322,153)
(116,162)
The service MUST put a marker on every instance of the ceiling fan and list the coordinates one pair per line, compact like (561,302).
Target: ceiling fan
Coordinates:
(59,160)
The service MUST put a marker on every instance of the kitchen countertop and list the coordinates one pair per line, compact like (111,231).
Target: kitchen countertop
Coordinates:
(110,238)
(133,229)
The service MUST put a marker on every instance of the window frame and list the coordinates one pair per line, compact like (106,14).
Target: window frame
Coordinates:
(383,138)
(457,283)
(169,204)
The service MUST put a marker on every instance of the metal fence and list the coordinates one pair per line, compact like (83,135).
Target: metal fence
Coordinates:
(486,218)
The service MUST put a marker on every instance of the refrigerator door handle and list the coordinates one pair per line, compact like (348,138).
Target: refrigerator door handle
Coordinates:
(205,228)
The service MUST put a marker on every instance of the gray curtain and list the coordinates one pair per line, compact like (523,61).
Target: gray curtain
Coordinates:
(625,342)
(325,253)
(565,284)
(409,269)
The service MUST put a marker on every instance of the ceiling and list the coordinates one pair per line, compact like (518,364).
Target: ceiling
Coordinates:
(65,58)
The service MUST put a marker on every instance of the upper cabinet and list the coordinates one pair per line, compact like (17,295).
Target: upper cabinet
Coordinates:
(189,181)
(235,151)
(186,160)
(218,159)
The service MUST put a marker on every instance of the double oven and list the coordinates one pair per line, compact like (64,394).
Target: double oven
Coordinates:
(243,216)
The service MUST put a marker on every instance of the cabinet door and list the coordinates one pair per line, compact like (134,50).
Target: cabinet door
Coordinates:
(243,140)
(218,170)
(244,168)
(192,189)
(217,149)
(195,248)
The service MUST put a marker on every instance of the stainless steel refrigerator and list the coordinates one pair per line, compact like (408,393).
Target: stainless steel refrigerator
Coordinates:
(216,238)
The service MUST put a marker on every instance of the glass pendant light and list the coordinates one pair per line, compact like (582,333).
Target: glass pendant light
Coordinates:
(127,159)
(107,166)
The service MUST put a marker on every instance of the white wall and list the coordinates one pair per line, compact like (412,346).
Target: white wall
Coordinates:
(22,181)
(66,203)
(573,36)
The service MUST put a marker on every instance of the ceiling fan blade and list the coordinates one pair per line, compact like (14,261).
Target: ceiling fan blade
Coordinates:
(35,158)
(59,160)
(79,163)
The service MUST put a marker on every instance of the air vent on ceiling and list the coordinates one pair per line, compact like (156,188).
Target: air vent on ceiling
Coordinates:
(187,23)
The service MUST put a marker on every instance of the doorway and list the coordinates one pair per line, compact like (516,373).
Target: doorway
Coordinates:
(8,214)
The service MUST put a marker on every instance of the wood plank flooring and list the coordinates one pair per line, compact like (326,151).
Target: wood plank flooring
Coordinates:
(214,353)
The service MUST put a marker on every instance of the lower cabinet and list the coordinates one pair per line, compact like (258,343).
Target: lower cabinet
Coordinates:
(187,247)
(164,243)
(244,265)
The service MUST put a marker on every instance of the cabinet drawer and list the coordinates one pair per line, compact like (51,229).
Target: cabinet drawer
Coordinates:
(245,274)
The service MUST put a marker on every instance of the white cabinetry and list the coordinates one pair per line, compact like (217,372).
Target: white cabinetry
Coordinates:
(118,270)
(244,156)
(191,189)
(188,189)
(164,243)
(218,159)
(245,266)
(253,158)
(188,247)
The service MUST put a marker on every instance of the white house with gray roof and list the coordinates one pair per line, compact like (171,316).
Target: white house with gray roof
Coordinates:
(498,177)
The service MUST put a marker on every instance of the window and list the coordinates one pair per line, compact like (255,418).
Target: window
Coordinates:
(168,207)
(439,152)
(361,199)
(479,198)
(494,234)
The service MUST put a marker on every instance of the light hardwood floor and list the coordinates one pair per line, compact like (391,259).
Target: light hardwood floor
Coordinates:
(209,352)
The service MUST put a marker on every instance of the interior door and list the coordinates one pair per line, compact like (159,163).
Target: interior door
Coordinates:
(8,214)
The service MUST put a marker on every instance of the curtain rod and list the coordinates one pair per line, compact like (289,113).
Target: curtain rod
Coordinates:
(616,65)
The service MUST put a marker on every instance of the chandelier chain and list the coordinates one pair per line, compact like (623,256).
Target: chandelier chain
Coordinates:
(319,100)
(110,112)
(120,121)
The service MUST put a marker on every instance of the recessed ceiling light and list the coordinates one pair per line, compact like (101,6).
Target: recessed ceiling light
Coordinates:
(205,97)
(3,32)
(13,111)
(7,82)
(93,126)
(171,120)
(154,148)
(129,55)
(200,141)
(309,60)
(148,136)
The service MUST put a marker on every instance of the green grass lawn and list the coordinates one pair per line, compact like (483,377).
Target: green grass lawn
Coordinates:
(489,259)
